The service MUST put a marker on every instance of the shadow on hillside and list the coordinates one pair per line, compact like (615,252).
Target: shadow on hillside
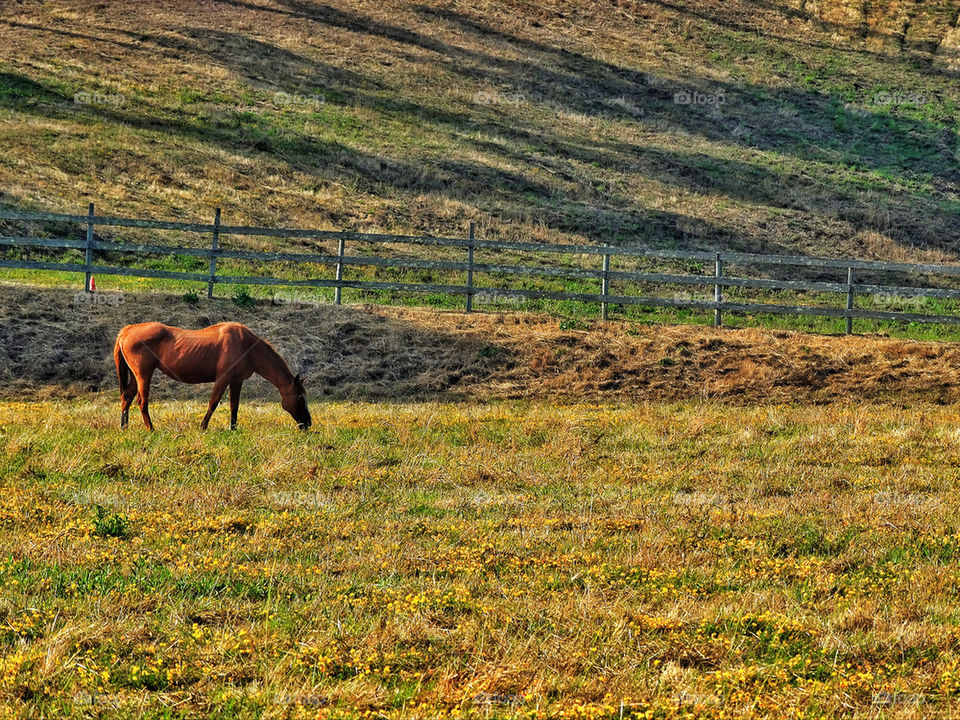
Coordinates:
(808,129)
(50,339)
(810,126)
(487,185)
(732,19)
(806,124)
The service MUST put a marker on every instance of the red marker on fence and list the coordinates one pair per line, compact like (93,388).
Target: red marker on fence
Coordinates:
(93,284)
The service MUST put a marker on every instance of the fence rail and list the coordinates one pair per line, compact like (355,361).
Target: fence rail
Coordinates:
(716,262)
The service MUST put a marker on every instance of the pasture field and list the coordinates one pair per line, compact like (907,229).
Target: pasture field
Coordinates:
(481,559)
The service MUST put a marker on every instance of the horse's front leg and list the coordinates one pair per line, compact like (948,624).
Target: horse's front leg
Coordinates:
(235,388)
(218,389)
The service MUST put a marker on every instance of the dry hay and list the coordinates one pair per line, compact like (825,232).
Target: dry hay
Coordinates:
(50,345)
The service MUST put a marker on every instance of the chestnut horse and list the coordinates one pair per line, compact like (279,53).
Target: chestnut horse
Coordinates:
(225,354)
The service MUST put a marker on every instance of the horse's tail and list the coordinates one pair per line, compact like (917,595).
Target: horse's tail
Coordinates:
(123,370)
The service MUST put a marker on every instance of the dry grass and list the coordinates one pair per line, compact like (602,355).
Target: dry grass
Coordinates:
(418,560)
(52,346)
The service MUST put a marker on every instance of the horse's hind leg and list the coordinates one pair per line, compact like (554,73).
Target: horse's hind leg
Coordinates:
(218,389)
(235,388)
(143,396)
(126,398)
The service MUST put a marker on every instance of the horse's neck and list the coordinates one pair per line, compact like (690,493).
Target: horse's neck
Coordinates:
(269,365)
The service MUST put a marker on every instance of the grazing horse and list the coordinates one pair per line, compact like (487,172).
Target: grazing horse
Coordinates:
(225,354)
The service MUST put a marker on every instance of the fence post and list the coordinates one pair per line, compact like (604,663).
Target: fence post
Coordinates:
(470,271)
(605,287)
(717,291)
(213,253)
(341,250)
(88,282)
(849,301)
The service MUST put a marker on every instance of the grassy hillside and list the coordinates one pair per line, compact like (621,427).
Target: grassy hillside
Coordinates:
(514,560)
(826,127)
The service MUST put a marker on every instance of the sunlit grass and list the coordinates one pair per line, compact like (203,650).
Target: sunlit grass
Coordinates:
(504,559)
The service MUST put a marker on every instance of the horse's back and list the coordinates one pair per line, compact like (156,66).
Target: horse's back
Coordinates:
(144,332)
(232,328)
(157,331)
(225,335)
(192,356)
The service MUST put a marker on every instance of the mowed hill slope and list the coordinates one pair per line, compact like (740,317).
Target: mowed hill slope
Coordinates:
(50,345)
(820,127)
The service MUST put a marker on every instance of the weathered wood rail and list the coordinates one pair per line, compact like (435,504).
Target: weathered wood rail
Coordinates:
(716,280)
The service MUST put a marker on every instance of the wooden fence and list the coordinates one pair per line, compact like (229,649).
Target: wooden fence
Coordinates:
(716,280)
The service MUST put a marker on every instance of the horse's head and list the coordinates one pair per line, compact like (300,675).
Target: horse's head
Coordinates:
(294,401)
